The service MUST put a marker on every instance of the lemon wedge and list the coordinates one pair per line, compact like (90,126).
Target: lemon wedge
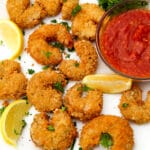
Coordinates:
(11,40)
(108,83)
(12,122)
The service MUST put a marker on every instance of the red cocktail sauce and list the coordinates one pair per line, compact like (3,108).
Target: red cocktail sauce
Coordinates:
(125,43)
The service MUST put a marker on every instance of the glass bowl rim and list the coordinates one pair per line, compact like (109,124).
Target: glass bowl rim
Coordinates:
(98,45)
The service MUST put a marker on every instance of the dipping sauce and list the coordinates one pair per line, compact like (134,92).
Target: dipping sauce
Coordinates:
(125,43)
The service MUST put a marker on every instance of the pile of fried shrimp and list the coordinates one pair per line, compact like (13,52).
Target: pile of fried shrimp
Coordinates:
(58,104)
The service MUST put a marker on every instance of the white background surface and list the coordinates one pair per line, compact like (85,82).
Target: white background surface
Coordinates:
(141,132)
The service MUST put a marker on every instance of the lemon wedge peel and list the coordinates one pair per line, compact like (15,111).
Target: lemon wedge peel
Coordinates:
(13,37)
(11,120)
(108,83)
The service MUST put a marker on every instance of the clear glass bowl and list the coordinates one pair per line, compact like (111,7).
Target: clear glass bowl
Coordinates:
(122,7)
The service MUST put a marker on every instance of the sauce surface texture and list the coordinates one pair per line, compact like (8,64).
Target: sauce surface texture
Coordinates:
(125,43)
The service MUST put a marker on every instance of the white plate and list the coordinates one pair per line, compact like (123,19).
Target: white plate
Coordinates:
(141,132)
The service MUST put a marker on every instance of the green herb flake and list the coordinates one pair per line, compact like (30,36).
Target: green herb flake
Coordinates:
(19,58)
(27,113)
(2,110)
(64,0)
(58,86)
(47,54)
(106,140)
(67,56)
(23,32)
(66,25)
(73,144)
(31,71)
(42,23)
(86,88)
(1,42)
(76,64)
(63,108)
(76,10)
(54,21)
(16,132)
(51,128)
(80,148)
(26,99)
(75,124)
(45,67)
(125,105)
(24,124)
(71,49)
(58,45)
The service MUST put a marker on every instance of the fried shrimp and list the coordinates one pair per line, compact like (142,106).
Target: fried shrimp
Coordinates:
(41,50)
(55,134)
(24,15)
(133,108)
(52,7)
(75,70)
(44,90)
(85,22)
(115,127)
(83,107)
(12,82)
(67,8)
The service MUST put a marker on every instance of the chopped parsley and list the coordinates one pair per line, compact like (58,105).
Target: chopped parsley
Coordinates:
(125,105)
(42,22)
(51,128)
(63,108)
(23,32)
(75,124)
(76,64)
(107,4)
(23,124)
(73,144)
(47,54)
(45,67)
(64,0)
(71,49)
(58,86)
(84,88)
(66,25)
(106,140)
(80,148)
(54,21)
(19,58)
(31,71)
(76,10)
(2,110)
(26,99)
(67,56)
(16,132)
(58,45)
(1,42)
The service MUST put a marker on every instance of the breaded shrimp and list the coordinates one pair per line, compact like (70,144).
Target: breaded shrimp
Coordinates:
(44,90)
(133,108)
(84,24)
(41,50)
(52,7)
(24,15)
(12,82)
(88,61)
(67,8)
(118,129)
(55,134)
(83,107)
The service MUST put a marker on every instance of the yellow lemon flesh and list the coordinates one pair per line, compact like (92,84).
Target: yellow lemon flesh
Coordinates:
(11,40)
(11,122)
(108,83)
